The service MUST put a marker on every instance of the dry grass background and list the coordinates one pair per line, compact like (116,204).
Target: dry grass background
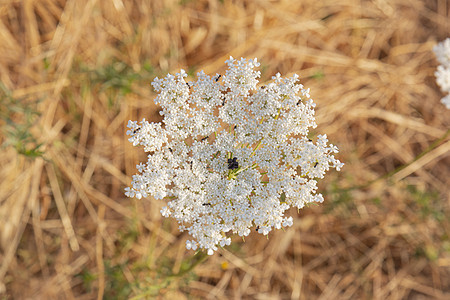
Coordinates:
(74,72)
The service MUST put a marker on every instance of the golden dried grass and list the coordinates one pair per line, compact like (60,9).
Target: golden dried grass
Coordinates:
(370,69)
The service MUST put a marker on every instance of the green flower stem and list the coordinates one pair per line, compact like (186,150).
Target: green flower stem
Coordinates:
(195,260)
(256,148)
(243,169)
(191,263)
(278,114)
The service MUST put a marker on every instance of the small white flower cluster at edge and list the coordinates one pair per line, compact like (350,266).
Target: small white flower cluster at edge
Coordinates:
(442,51)
(230,155)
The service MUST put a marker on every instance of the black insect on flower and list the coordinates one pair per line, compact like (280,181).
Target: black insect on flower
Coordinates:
(315,165)
(217,77)
(206,204)
(232,163)
(136,130)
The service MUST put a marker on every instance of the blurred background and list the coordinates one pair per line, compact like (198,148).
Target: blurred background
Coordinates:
(74,72)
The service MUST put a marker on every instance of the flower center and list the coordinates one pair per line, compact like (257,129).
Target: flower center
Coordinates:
(232,163)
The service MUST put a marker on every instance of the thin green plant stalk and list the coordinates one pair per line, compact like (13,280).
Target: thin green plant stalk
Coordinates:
(196,259)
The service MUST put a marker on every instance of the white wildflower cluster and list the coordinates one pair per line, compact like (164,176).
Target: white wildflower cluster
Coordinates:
(230,155)
(442,51)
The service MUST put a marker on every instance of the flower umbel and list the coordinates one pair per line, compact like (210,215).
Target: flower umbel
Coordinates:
(442,51)
(230,155)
